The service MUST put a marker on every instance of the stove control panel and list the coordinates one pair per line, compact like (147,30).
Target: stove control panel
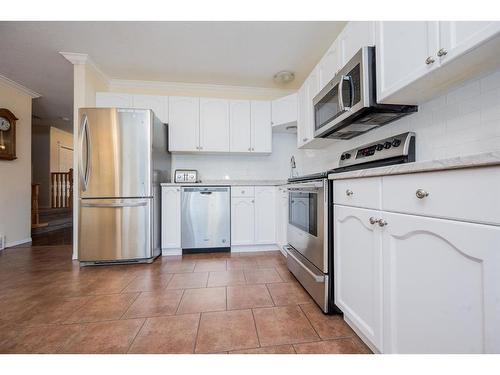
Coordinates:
(397,146)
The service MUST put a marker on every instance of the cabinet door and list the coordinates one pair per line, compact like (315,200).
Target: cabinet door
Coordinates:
(184,124)
(242,221)
(159,105)
(170,218)
(356,34)
(301,116)
(459,37)
(402,52)
(284,110)
(358,270)
(311,89)
(441,288)
(265,215)
(282,215)
(239,120)
(214,124)
(111,99)
(260,116)
(329,65)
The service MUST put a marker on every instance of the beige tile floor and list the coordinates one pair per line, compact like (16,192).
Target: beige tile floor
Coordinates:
(210,303)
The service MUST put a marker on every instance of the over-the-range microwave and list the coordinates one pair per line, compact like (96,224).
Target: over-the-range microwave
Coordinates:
(347,107)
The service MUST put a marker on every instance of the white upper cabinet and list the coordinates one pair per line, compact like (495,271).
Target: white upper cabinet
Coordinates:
(329,65)
(458,37)
(356,34)
(265,214)
(260,118)
(159,105)
(184,123)
(284,110)
(240,126)
(214,125)
(408,51)
(441,289)
(112,99)
(405,52)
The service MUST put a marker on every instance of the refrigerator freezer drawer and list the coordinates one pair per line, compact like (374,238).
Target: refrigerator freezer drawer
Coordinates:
(115,230)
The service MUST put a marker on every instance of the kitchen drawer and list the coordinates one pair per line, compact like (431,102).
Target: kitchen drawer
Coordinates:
(242,191)
(465,194)
(358,192)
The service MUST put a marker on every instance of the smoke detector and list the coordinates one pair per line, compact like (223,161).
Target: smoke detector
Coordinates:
(284,76)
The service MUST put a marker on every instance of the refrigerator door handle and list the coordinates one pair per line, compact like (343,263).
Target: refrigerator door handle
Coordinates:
(85,134)
(114,205)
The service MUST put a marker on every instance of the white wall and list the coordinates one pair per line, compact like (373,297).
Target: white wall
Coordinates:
(275,166)
(15,175)
(463,121)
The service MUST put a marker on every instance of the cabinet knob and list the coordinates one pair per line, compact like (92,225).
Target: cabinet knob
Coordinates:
(349,192)
(304,139)
(373,220)
(429,60)
(249,149)
(252,149)
(442,52)
(253,200)
(178,189)
(421,193)
(382,223)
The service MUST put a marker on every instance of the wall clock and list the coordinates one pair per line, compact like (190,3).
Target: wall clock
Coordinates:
(7,134)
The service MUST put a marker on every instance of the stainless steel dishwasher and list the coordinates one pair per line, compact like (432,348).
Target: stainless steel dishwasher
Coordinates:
(206,219)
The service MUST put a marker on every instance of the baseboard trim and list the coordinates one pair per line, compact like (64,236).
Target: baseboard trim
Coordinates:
(16,243)
(170,252)
(253,248)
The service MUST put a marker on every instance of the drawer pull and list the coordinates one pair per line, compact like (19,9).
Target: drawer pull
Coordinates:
(382,223)
(421,193)
(373,220)
(349,192)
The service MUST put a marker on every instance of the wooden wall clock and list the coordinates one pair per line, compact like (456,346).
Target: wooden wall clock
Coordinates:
(7,134)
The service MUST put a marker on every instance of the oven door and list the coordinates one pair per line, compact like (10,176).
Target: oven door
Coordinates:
(306,221)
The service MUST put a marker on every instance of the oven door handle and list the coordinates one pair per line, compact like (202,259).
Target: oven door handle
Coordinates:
(317,278)
(308,190)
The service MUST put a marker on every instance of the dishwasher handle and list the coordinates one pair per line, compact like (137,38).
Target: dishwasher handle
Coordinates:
(205,192)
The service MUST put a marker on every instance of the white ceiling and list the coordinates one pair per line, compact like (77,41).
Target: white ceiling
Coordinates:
(227,53)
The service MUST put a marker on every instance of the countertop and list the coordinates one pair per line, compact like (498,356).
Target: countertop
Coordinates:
(468,161)
(230,183)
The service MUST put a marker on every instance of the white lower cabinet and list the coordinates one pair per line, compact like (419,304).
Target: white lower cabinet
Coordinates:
(171,217)
(358,270)
(265,214)
(281,215)
(412,283)
(242,221)
(441,289)
(253,215)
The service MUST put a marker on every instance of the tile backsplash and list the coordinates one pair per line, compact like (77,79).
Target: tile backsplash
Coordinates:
(463,121)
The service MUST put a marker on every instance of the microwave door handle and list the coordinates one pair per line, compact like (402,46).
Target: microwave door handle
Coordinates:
(341,92)
(341,98)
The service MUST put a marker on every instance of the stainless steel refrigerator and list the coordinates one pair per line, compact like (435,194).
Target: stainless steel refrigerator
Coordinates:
(123,157)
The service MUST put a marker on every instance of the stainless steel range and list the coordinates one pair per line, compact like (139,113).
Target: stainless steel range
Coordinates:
(310,218)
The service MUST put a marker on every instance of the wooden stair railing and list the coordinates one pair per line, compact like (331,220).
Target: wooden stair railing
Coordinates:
(35,214)
(61,193)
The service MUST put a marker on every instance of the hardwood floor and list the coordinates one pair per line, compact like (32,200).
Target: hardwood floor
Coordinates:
(210,303)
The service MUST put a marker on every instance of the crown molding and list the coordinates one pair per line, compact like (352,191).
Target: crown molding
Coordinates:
(19,87)
(84,59)
(116,84)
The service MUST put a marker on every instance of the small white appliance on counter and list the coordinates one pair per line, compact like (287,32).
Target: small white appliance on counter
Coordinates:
(186,176)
